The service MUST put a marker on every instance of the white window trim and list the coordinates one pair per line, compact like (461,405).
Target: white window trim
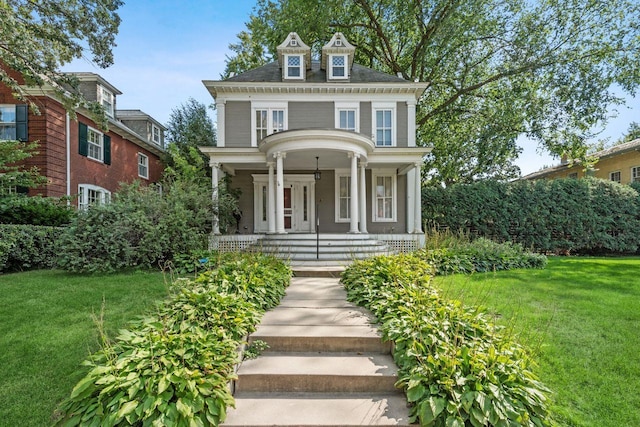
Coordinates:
(338,174)
(286,67)
(155,128)
(375,173)
(101,91)
(146,165)
(346,67)
(375,106)
(619,176)
(637,177)
(341,106)
(83,202)
(89,143)
(270,106)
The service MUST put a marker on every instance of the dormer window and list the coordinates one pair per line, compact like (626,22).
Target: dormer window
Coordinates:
(338,67)
(294,42)
(294,67)
(105,98)
(155,134)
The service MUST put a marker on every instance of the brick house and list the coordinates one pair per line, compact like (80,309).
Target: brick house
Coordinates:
(76,157)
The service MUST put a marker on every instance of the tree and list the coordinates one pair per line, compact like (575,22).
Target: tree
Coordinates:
(12,173)
(497,68)
(633,133)
(38,37)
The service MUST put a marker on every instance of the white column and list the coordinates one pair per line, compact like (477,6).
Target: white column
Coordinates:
(271,212)
(363,198)
(354,193)
(214,196)
(220,128)
(411,123)
(279,194)
(417,216)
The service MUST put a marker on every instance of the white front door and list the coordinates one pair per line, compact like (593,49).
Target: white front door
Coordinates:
(299,205)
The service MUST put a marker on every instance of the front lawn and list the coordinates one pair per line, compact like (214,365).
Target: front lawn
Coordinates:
(47,329)
(581,317)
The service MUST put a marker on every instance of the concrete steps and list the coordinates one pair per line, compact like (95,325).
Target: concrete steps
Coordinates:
(326,365)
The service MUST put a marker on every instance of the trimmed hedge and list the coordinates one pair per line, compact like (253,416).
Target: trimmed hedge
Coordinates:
(26,247)
(37,210)
(557,216)
(172,368)
(456,367)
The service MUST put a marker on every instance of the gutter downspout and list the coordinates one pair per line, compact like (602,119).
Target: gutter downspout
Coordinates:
(68,142)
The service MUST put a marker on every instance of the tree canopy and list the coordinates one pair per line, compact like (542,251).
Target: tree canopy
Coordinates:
(38,37)
(497,69)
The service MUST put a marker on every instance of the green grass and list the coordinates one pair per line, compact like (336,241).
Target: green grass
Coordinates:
(581,318)
(47,328)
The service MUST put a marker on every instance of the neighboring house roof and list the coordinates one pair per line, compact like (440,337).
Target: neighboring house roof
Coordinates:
(616,150)
(137,115)
(87,76)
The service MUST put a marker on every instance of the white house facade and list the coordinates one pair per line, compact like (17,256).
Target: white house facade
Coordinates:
(323,146)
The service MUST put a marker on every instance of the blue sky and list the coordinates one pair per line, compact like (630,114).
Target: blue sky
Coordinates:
(166,48)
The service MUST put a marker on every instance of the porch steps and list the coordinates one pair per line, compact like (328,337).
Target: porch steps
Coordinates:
(326,365)
(328,247)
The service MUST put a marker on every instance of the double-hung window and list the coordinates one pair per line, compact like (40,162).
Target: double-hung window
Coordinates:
(155,134)
(347,116)
(635,174)
(91,195)
(13,122)
(294,66)
(94,144)
(384,124)
(338,67)
(384,196)
(343,196)
(143,166)
(105,98)
(615,176)
(268,120)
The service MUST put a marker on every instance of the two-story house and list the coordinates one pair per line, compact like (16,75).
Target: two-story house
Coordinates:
(77,157)
(324,145)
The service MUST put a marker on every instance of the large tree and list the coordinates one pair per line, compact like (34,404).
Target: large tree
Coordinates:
(497,68)
(38,37)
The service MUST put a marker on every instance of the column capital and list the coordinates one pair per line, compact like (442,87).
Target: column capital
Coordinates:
(353,154)
(215,165)
(271,164)
(363,164)
(221,102)
(279,155)
(412,102)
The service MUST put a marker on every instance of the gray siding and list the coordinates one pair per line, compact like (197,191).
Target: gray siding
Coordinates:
(401,119)
(304,115)
(141,127)
(244,182)
(89,90)
(365,119)
(238,124)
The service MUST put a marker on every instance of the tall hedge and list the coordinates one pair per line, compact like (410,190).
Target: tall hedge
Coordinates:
(561,216)
(27,247)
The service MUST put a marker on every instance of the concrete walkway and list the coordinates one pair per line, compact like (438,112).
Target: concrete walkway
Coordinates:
(326,365)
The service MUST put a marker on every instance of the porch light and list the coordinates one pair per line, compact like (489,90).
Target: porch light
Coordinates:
(317,174)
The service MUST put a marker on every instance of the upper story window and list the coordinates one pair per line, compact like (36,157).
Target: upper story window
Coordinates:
(94,144)
(615,176)
(384,124)
(143,166)
(347,116)
(635,174)
(13,122)
(267,120)
(105,98)
(294,64)
(92,195)
(155,134)
(338,66)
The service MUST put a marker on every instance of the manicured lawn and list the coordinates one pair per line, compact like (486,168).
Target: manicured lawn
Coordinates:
(581,317)
(47,329)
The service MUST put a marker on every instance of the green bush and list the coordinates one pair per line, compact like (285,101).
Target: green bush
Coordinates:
(557,216)
(27,247)
(457,368)
(20,209)
(172,368)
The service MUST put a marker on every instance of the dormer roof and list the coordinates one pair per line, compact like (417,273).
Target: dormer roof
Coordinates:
(337,45)
(293,45)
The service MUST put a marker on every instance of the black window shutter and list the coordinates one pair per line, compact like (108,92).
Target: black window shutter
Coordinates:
(83,143)
(106,142)
(22,128)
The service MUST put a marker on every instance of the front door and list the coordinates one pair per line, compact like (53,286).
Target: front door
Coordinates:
(299,205)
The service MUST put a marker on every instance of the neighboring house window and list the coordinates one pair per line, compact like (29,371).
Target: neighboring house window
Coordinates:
(338,66)
(91,194)
(573,175)
(13,122)
(347,116)
(94,144)
(384,118)
(615,176)
(268,120)
(384,196)
(635,174)
(143,166)
(343,196)
(294,66)
(105,98)
(155,134)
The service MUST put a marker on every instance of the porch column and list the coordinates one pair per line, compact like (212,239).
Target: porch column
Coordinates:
(363,198)
(417,215)
(279,194)
(271,202)
(214,196)
(354,193)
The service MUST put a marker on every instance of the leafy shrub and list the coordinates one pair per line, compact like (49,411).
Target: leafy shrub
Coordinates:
(20,209)
(460,255)
(26,247)
(559,216)
(173,368)
(456,367)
